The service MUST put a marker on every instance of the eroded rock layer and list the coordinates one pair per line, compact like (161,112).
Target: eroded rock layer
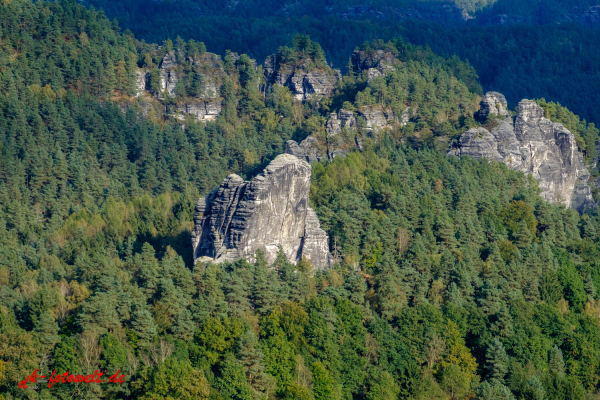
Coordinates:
(268,212)
(205,103)
(343,134)
(530,143)
(304,81)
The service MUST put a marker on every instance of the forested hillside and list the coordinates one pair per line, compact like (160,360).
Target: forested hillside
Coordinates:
(522,59)
(453,280)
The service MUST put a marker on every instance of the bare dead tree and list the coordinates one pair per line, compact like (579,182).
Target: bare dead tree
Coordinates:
(132,362)
(435,349)
(90,348)
(402,240)
(159,352)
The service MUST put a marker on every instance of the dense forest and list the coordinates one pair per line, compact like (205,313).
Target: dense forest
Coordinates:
(556,60)
(453,278)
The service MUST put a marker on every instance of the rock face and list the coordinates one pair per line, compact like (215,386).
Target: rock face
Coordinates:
(534,145)
(271,211)
(304,82)
(207,110)
(205,103)
(169,74)
(141,78)
(343,135)
(493,103)
(377,62)
(310,150)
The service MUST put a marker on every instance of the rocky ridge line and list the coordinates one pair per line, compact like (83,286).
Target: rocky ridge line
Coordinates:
(207,105)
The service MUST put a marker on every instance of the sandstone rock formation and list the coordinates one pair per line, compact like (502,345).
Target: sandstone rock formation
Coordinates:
(344,119)
(207,110)
(141,77)
(375,119)
(534,145)
(377,62)
(169,74)
(493,103)
(304,82)
(309,149)
(268,212)
(205,105)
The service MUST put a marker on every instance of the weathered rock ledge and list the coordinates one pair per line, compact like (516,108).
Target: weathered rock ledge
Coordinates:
(268,212)
(303,81)
(342,133)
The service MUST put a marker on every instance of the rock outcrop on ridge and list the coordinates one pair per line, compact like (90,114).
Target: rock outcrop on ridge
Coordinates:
(304,81)
(207,68)
(493,103)
(376,63)
(530,143)
(343,133)
(268,212)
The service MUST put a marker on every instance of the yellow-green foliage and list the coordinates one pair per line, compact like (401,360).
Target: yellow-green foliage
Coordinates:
(82,221)
(144,215)
(351,171)
(116,215)
(516,212)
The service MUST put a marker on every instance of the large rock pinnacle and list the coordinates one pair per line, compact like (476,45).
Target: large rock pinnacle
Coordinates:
(534,145)
(268,212)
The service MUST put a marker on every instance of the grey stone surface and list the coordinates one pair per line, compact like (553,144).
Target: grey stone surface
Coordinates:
(534,145)
(204,111)
(376,118)
(492,103)
(376,62)
(141,78)
(309,150)
(272,210)
(169,76)
(344,119)
(312,149)
(304,82)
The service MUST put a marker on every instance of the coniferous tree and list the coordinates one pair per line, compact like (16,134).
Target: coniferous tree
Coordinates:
(47,329)
(496,361)
(232,381)
(556,362)
(143,324)
(184,326)
(251,358)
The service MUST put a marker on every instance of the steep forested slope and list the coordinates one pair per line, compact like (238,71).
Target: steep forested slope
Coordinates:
(557,60)
(454,279)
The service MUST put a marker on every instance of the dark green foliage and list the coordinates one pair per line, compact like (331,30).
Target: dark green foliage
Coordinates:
(451,272)
(544,56)
(232,382)
(496,361)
